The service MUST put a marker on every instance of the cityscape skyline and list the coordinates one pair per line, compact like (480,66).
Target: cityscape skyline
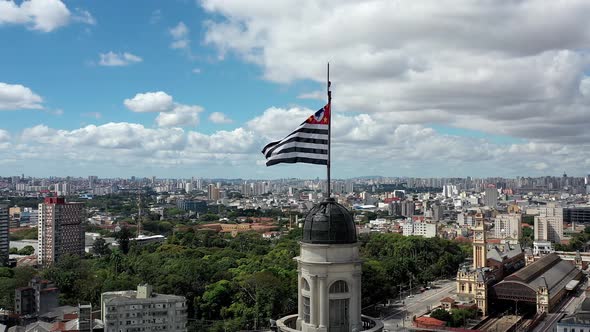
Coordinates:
(317,178)
(202,86)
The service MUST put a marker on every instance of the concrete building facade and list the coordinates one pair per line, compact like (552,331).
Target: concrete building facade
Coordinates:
(143,310)
(60,230)
(424,229)
(507,226)
(4,239)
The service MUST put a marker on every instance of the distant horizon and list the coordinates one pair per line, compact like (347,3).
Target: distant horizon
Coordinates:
(290,178)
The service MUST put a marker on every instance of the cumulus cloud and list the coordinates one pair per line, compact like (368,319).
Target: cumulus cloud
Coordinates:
(179,116)
(180,36)
(158,101)
(459,64)
(112,59)
(4,136)
(41,15)
(16,96)
(172,114)
(394,149)
(219,118)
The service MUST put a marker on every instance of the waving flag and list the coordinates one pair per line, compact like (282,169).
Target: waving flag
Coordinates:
(309,143)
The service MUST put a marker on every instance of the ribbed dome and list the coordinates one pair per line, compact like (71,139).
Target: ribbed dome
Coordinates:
(329,223)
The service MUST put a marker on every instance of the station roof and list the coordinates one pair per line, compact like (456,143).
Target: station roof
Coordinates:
(550,271)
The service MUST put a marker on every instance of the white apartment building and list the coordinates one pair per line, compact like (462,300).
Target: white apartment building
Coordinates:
(143,310)
(549,224)
(507,226)
(419,229)
(549,229)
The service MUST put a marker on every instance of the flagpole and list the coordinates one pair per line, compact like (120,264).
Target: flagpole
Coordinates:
(329,128)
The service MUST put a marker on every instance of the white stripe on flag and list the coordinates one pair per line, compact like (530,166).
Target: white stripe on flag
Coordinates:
(301,145)
(298,154)
(306,135)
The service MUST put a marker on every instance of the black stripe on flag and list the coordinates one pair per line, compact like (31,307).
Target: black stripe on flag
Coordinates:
(294,160)
(295,139)
(302,150)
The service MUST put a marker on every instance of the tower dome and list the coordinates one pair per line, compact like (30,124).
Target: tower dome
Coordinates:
(329,223)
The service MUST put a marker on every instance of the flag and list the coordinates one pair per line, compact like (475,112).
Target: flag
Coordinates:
(306,144)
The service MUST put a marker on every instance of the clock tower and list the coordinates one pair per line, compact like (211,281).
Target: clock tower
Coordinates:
(479,245)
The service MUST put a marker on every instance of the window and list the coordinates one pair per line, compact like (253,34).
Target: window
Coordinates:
(305,284)
(339,315)
(339,286)
(306,309)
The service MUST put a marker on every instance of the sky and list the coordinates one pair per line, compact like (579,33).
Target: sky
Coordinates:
(181,88)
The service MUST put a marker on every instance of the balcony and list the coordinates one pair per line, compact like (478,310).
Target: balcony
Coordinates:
(369,324)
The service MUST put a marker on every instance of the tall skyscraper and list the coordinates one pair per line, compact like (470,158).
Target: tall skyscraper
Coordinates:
(491,197)
(212,192)
(4,242)
(60,230)
(549,224)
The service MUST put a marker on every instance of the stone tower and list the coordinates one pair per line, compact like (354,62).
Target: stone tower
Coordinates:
(329,271)
(479,246)
(543,296)
(329,275)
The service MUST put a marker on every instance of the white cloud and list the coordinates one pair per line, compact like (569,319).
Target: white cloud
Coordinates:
(158,101)
(180,116)
(4,136)
(463,66)
(394,149)
(84,16)
(172,114)
(219,118)
(16,96)
(41,15)
(196,71)
(180,36)
(112,59)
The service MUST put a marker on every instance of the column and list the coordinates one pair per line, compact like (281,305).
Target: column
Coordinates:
(299,298)
(313,301)
(323,301)
(355,301)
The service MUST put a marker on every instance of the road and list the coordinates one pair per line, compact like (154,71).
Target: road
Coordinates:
(401,315)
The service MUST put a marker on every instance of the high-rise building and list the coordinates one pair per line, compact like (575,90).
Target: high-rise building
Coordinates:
(63,189)
(507,226)
(60,230)
(143,310)
(408,208)
(212,192)
(4,240)
(549,223)
(491,197)
(549,228)
(39,297)
(437,212)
